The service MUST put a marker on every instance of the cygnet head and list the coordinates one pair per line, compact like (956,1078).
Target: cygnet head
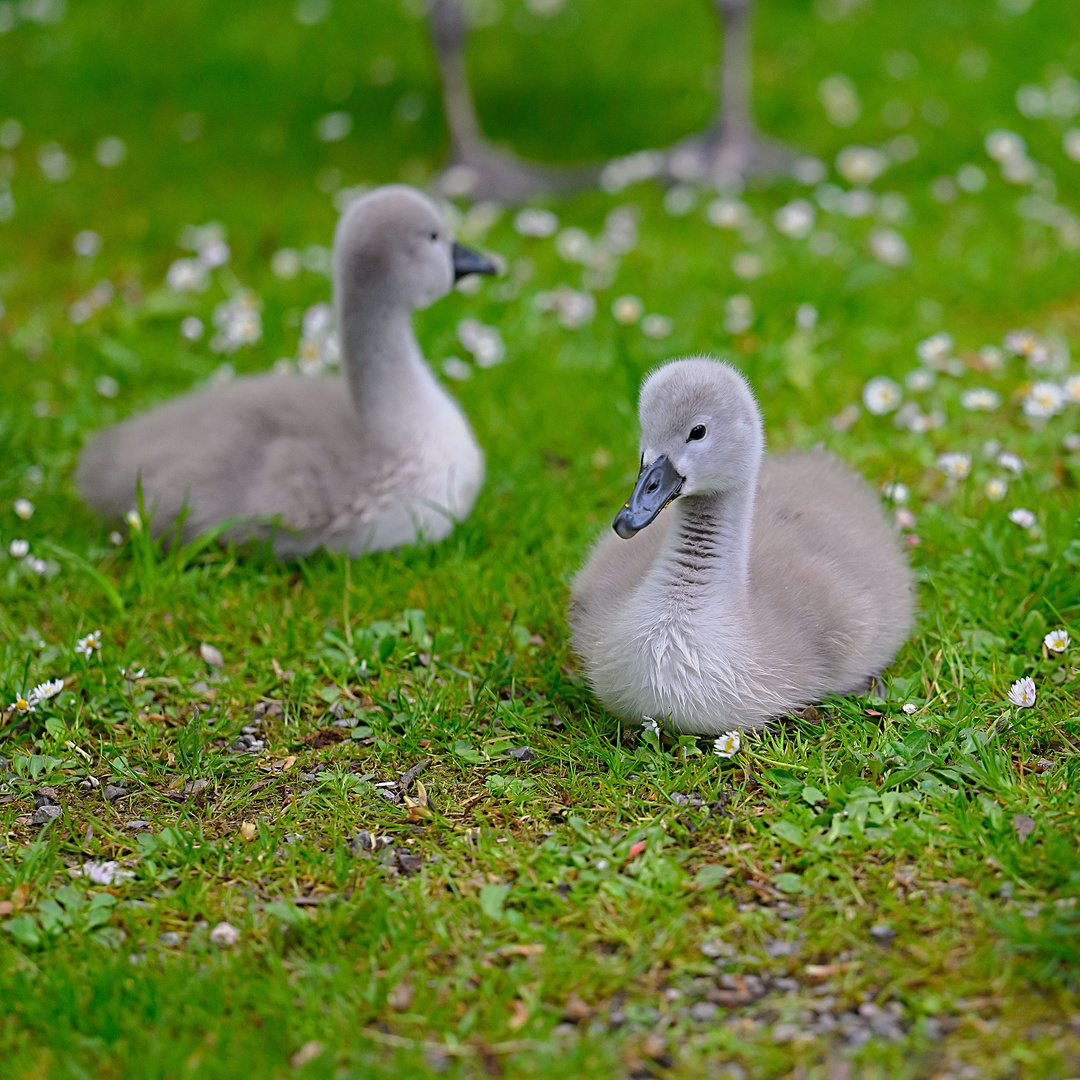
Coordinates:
(701,434)
(393,245)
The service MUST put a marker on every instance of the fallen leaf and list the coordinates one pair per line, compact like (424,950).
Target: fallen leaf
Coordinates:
(249,830)
(306,1054)
(211,655)
(1023,825)
(576,1009)
(19,895)
(520,1015)
(6,907)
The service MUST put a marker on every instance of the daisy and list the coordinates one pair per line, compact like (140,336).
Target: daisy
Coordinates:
(1071,387)
(996,489)
(627,309)
(727,745)
(1005,146)
(23,508)
(536,223)
(1044,399)
(485,343)
(738,313)
(1057,641)
(573,244)
(910,707)
(727,213)
(650,725)
(896,491)
(1022,517)
(889,247)
(980,399)
(1010,461)
(954,465)
(861,164)
(86,646)
(22,705)
(1022,692)
(935,349)
(19,549)
(881,395)
(44,691)
(657,326)
(795,219)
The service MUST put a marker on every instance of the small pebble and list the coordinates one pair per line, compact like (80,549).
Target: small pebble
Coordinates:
(882,932)
(138,823)
(170,939)
(112,792)
(225,935)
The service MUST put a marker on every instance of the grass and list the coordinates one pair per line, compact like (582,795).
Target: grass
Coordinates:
(613,907)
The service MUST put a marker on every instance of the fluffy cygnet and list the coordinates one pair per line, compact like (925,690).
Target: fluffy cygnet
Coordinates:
(375,458)
(768,584)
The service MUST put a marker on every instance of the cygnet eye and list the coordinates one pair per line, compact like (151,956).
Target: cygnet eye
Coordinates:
(696,432)
(434,236)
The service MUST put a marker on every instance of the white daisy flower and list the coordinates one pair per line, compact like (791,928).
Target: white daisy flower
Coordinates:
(727,213)
(795,219)
(1071,388)
(19,549)
(133,519)
(1044,399)
(627,309)
(896,491)
(657,326)
(44,691)
(920,379)
(649,724)
(1022,517)
(23,508)
(1022,692)
(86,646)
(881,395)
(935,349)
(187,275)
(573,244)
(889,247)
(191,328)
(954,465)
(1010,461)
(727,745)
(22,705)
(738,313)
(536,223)
(980,399)
(1005,146)
(910,707)
(1057,641)
(996,489)
(861,164)
(485,343)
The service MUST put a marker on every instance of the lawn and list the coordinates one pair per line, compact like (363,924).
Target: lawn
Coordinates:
(365,818)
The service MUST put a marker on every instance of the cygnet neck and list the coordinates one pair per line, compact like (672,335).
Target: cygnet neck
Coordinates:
(707,549)
(381,359)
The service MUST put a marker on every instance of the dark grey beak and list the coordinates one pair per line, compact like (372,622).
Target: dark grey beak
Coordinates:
(657,485)
(467,261)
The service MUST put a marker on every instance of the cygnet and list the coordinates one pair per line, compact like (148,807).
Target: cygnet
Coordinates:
(375,458)
(770,582)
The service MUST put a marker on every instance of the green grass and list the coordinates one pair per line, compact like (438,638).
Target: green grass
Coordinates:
(529,918)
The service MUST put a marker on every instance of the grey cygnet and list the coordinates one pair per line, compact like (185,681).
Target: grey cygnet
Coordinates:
(768,584)
(378,457)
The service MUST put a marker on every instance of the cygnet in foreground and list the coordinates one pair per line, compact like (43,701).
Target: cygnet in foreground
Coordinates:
(375,458)
(767,585)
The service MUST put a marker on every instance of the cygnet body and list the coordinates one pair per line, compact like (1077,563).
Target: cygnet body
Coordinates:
(375,458)
(768,584)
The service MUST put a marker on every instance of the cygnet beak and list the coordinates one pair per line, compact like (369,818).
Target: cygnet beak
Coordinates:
(657,485)
(467,261)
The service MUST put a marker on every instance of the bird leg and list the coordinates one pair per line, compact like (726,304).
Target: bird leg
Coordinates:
(731,147)
(477,169)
